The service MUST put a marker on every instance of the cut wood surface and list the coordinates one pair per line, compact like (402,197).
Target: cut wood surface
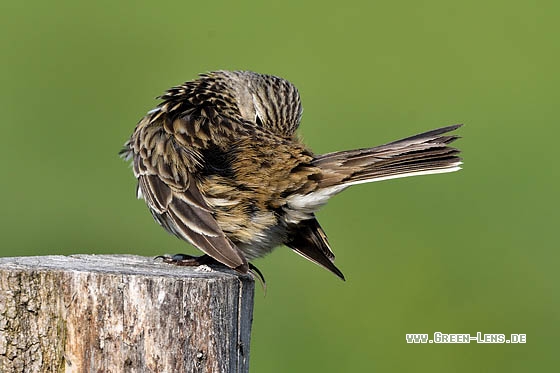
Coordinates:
(122,313)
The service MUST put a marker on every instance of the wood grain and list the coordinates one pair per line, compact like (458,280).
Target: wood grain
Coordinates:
(122,313)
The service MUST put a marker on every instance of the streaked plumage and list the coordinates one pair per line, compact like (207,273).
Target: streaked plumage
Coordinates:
(219,165)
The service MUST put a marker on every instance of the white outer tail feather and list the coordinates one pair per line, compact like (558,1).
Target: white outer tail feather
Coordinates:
(302,206)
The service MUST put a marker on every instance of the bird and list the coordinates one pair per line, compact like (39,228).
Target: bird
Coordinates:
(220,165)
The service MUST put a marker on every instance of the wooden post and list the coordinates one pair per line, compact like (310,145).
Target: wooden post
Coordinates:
(122,313)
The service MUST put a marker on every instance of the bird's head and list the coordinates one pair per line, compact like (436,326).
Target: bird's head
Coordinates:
(265,100)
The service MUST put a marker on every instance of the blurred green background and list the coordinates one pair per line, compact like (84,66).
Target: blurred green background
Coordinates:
(474,251)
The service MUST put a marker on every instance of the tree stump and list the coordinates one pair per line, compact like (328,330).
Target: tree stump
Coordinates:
(122,313)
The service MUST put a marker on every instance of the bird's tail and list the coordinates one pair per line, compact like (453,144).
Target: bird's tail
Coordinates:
(423,154)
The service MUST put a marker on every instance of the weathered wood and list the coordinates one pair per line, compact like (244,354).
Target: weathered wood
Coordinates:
(122,313)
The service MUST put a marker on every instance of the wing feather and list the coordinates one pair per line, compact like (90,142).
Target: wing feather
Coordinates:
(166,180)
(310,241)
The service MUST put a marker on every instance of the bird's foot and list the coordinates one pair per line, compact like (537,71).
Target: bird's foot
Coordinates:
(204,260)
(187,260)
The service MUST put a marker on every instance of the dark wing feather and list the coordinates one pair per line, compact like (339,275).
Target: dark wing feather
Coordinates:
(310,241)
(164,168)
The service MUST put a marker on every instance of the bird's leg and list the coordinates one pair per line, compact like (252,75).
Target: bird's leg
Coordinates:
(187,260)
(195,261)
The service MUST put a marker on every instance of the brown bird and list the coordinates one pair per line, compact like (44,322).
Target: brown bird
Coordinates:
(220,166)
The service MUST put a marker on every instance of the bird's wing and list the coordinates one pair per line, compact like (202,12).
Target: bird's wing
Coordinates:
(310,241)
(165,181)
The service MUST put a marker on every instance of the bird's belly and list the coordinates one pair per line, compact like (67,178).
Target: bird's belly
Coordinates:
(263,242)
(255,231)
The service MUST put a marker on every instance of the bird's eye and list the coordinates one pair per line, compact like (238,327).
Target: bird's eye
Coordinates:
(258,120)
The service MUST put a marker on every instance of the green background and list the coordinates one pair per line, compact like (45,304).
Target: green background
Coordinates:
(474,251)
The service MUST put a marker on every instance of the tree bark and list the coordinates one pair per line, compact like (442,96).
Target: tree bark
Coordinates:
(122,313)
